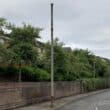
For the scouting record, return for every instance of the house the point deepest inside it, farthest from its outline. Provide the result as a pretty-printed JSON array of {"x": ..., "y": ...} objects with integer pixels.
[{"x": 4, "y": 40}]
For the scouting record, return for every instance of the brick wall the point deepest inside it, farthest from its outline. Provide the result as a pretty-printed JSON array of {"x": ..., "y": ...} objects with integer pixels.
[{"x": 19, "y": 94}]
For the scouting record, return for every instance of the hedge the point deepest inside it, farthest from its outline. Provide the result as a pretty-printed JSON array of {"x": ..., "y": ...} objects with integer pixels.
[
  {"x": 95, "y": 84},
  {"x": 28, "y": 74}
]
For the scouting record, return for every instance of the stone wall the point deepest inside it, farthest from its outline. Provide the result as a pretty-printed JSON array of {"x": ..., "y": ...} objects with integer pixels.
[{"x": 13, "y": 95}]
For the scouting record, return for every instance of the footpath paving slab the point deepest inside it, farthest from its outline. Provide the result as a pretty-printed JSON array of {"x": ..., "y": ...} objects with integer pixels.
[{"x": 60, "y": 102}]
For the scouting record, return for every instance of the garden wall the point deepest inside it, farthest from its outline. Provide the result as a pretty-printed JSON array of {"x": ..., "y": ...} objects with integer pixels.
[{"x": 14, "y": 95}]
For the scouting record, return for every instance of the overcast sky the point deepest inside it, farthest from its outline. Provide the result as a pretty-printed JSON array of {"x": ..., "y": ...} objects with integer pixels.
[{"x": 78, "y": 23}]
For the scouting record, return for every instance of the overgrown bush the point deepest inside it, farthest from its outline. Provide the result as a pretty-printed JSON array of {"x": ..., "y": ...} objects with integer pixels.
[
  {"x": 28, "y": 74},
  {"x": 95, "y": 84},
  {"x": 8, "y": 73},
  {"x": 34, "y": 74}
]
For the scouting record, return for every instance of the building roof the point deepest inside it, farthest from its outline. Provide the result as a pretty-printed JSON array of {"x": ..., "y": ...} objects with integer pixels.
[{"x": 4, "y": 38}]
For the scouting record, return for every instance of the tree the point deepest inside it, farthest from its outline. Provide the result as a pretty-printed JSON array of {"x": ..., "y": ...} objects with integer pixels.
[{"x": 23, "y": 45}]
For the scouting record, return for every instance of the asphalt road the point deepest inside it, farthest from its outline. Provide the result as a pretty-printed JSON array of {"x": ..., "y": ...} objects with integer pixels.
[{"x": 96, "y": 102}]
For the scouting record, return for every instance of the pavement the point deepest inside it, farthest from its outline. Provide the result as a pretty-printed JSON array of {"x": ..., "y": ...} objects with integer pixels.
[
  {"x": 94, "y": 102},
  {"x": 99, "y": 100}
]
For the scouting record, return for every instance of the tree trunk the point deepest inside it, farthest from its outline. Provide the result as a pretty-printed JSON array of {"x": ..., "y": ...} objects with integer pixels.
[{"x": 20, "y": 78}]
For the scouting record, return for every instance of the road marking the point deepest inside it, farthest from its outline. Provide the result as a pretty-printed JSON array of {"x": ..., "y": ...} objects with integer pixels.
[{"x": 96, "y": 108}]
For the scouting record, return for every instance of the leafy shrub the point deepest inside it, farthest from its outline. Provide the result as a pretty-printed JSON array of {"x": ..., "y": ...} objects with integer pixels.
[
  {"x": 34, "y": 74},
  {"x": 28, "y": 74},
  {"x": 41, "y": 75},
  {"x": 95, "y": 84},
  {"x": 2, "y": 70},
  {"x": 9, "y": 73}
]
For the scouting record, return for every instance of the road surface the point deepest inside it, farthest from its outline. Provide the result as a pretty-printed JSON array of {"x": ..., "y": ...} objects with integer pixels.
[{"x": 96, "y": 102}]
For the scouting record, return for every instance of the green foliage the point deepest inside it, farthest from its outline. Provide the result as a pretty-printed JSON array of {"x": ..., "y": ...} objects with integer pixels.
[
  {"x": 5, "y": 54},
  {"x": 34, "y": 74},
  {"x": 74, "y": 64},
  {"x": 25, "y": 52},
  {"x": 28, "y": 74},
  {"x": 8, "y": 73},
  {"x": 95, "y": 84},
  {"x": 26, "y": 33},
  {"x": 23, "y": 43},
  {"x": 22, "y": 52}
]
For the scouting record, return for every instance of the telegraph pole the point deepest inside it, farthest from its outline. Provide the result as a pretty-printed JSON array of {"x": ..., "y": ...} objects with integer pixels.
[{"x": 52, "y": 59}]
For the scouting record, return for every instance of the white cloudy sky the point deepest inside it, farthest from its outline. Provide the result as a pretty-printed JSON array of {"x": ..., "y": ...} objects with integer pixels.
[{"x": 78, "y": 23}]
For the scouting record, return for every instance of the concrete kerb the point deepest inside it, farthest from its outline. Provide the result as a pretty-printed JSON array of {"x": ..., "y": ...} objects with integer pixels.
[{"x": 79, "y": 97}]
